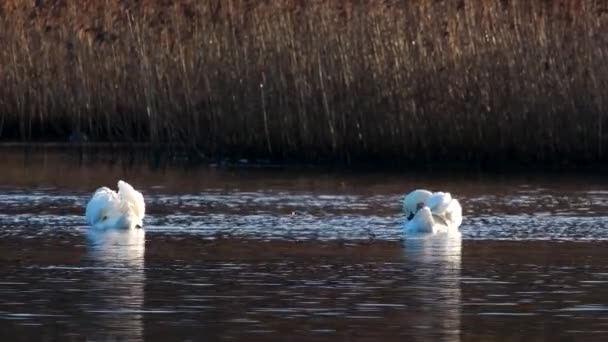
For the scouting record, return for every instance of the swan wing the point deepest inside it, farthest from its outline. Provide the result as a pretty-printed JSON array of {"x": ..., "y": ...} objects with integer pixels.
[
  {"x": 453, "y": 213},
  {"x": 439, "y": 202},
  {"x": 103, "y": 202},
  {"x": 133, "y": 197}
]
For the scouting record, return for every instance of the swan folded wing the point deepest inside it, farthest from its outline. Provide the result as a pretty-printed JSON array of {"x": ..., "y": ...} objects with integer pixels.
[
  {"x": 453, "y": 213},
  {"x": 133, "y": 197},
  {"x": 441, "y": 219},
  {"x": 439, "y": 202},
  {"x": 103, "y": 201}
]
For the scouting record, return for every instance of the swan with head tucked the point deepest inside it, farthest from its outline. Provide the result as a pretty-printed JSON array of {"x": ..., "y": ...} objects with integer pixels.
[
  {"x": 433, "y": 213},
  {"x": 110, "y": 210}
]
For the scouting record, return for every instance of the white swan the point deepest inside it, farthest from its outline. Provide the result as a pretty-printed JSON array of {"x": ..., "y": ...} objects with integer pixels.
[
  {"x": 429, "y": 212},
  {"x": 110, "y": 210}
]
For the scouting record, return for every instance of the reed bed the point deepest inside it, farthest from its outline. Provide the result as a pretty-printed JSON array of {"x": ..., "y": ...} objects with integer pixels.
[{"x": 348, "y": 81}]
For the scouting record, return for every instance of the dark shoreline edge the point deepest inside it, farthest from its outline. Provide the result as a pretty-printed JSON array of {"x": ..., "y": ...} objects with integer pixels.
[{"x": 163, "y": 156}]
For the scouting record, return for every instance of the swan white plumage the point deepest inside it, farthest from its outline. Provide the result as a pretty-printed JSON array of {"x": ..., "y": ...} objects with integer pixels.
[
  {"x": 110, "y": 210},
  {"x": 433, "y": 213}
]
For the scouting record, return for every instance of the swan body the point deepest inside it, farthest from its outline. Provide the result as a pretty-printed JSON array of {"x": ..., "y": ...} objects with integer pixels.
[
  {"x": 108, "y": 209},
  {"x": 432, "y": 213}
]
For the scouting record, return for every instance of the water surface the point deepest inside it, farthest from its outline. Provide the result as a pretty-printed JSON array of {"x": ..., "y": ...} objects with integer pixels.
[{"x": 258, "y": 255}]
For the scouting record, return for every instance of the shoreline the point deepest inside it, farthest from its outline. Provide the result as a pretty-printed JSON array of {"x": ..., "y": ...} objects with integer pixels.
[{"x": 184, "y": 156}]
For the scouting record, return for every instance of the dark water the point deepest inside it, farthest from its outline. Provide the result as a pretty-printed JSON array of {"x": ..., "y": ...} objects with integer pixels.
[{"x": 258, "y": 255}]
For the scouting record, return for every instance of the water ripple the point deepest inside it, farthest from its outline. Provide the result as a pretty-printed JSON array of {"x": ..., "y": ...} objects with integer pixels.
[{"x": 530, "y": 214}]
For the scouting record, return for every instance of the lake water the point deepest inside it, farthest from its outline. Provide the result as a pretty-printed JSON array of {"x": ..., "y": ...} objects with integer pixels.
[{"x": 298, "y": 255}]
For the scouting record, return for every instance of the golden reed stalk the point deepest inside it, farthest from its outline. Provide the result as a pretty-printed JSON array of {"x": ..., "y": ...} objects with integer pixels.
[{"x": 346, "y": 80}]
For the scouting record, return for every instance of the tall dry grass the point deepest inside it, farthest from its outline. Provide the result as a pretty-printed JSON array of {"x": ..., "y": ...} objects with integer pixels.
[{"x": 347, "y": 80}]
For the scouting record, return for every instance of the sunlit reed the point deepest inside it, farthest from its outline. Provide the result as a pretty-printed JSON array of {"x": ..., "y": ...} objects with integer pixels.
[{"x": 425, "y": 80}]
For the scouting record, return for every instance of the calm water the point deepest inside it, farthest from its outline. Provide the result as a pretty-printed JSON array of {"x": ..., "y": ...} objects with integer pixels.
[{"x": 259, "y": 255}]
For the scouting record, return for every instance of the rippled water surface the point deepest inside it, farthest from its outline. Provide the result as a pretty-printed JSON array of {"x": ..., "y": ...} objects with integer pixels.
[{"x": 259, "y": 255}]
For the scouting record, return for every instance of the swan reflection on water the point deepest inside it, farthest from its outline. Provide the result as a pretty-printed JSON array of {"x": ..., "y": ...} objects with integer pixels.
[
  {"x": 117, "y": 262},
  {"x": 436, "y": 261}
]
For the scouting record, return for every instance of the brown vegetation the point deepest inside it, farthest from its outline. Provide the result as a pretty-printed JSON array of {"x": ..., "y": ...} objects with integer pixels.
[{"x": 425, "y": 80}]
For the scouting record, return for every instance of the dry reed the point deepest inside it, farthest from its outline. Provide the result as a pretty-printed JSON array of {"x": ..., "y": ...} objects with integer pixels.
[{"x": 376, "y": 81}]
